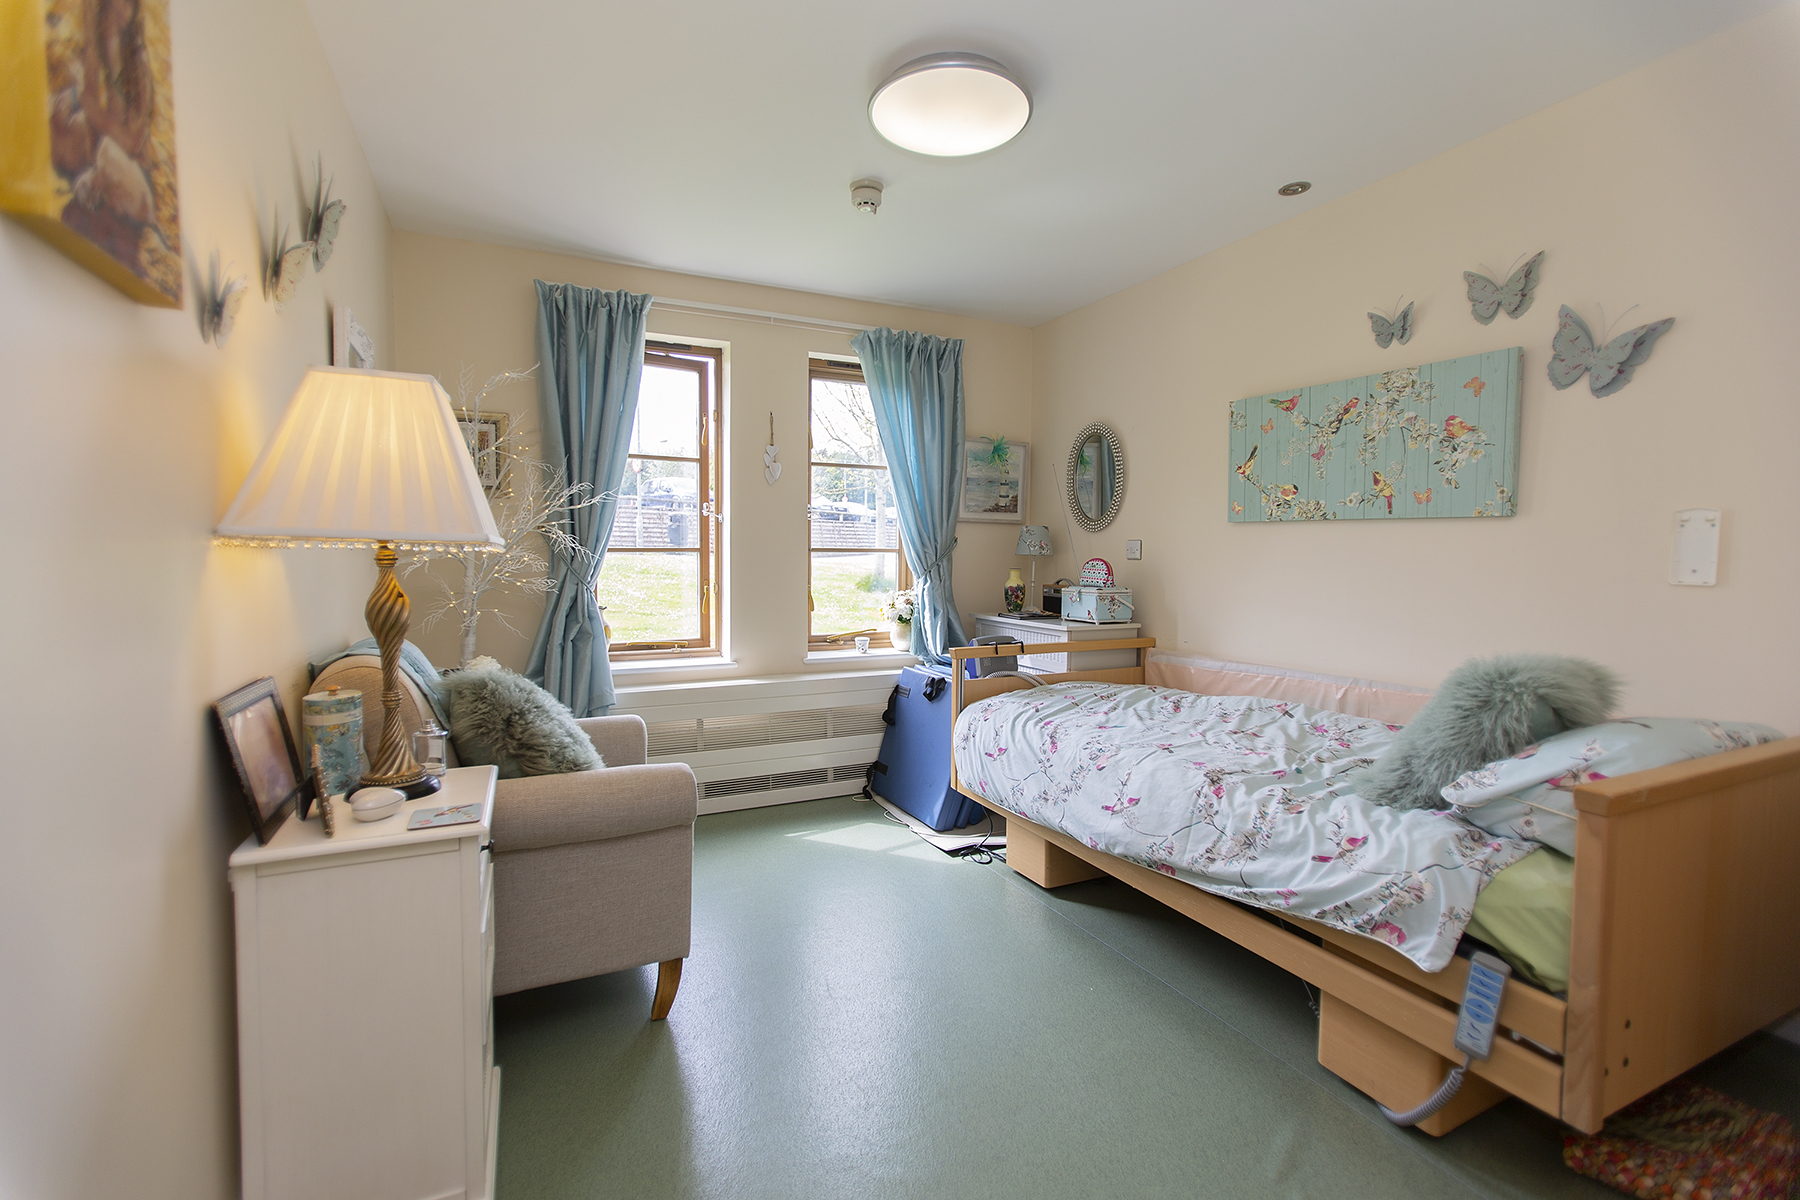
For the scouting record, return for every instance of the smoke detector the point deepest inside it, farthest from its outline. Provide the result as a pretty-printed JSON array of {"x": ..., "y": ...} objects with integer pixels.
[{"x": 865, "y": 194}]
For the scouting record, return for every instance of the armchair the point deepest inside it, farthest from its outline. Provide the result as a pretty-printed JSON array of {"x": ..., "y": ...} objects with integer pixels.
[{"x": 593, "y": 870}]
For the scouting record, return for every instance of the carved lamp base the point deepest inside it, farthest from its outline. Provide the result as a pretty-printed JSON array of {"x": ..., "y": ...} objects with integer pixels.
[{"x": 388, "y": 613}]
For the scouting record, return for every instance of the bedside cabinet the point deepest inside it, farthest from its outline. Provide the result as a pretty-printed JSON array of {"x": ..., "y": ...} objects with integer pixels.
[
  {"x": 365, "y": 1006},
  {"x": 1062, "y": 631}
]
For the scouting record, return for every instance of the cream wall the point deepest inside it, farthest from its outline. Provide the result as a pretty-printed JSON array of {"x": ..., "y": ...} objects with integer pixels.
[
  {"x": 129, "y": 436},
  {"x": 1672, "y": 188},
  {"x": 462, "y": 303}
]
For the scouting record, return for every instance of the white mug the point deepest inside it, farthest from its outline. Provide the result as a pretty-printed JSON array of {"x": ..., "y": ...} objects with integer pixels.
[{"x": 862, "y": 645}]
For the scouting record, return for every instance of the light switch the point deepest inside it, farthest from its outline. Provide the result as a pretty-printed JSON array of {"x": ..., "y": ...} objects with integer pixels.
[
  {"x": 1696, "y": 547},
  {"x": 1134, "y": 548}
]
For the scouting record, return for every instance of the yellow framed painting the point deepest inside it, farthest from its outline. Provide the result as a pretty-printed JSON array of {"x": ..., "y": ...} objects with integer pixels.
[{"x": 87, "y": 137}]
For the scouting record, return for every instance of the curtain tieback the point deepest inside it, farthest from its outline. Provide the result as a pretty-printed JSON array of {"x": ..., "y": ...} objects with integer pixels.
[{"x": 937, "y": 562}]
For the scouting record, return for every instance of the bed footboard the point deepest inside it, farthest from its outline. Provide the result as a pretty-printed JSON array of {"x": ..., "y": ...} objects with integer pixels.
[{"x": 1687, "y": 919}]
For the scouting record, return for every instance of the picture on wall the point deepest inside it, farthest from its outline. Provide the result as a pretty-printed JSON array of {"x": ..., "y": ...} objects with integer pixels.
[
  {"x": 1438, "y": 440},
  {"x": 351, "y": 345},
  {"x": 87, "y": 154},
  {"x": 994, "y": 472},
  {"x": 482, "y": 431}
]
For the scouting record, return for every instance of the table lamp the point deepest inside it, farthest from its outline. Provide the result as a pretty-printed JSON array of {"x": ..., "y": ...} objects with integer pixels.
[
  {"x": 367, "y": 459},
  {"x": 1034, "y": 540}
]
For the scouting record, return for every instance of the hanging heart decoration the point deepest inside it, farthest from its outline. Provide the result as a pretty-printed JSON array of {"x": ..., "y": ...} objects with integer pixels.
[{"x": 771, "y": 468}]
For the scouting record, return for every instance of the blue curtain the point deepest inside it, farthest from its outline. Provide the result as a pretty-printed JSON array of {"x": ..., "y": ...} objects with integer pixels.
[
  {"x": 915, "y": 380},
  {"x": 591, "y": 345}
]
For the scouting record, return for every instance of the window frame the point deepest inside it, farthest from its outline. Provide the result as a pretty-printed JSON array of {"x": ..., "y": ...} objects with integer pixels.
[
  {"x": 849, "y": 372},
  {"x": 709, "y": 490}
]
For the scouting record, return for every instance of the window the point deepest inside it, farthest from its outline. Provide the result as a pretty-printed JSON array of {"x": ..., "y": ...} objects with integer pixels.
[
  {"x": 660, "y": 581},
  {"x": 854, "y": 534}
]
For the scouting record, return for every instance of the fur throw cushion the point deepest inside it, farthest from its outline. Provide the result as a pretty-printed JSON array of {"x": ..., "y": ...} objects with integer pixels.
[
  {"x": 502, "y": 718},
  {"x": 1487, "y": 709}
]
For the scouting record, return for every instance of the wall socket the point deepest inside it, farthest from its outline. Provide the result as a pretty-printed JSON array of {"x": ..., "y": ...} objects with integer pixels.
[{"x": 1134, "y": 548}]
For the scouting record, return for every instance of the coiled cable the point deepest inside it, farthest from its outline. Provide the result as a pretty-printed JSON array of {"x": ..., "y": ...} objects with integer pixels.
[{"x": 1435, "y": 1102}]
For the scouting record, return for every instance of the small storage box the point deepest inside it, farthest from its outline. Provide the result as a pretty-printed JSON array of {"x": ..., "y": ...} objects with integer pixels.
[{"x": 1101, "y": 605}]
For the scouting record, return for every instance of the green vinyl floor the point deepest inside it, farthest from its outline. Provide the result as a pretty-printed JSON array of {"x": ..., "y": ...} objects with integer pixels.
[{"x": 863, "y": 1016}]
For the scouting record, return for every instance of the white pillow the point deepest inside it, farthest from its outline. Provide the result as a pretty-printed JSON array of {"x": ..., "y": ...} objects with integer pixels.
[{"x": 1532, "y": 794}]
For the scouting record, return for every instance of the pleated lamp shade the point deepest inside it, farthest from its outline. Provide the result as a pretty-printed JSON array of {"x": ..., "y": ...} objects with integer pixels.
[{"x": 363, "y": 457}]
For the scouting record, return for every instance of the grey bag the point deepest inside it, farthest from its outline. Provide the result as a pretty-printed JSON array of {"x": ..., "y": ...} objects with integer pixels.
[{"x": 995, "y": 666}]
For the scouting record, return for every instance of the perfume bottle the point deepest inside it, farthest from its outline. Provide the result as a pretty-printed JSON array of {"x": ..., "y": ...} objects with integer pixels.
[{"x": 430, "y": 745}]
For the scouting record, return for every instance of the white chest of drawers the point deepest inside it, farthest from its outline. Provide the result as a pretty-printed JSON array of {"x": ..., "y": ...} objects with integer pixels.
[
  {"x": 365, "y": 1006},
  {"x": 1062, "y": 631}
]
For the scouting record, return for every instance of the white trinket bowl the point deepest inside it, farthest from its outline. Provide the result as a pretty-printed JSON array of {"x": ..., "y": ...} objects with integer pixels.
[{"x": 377, "y": 803}]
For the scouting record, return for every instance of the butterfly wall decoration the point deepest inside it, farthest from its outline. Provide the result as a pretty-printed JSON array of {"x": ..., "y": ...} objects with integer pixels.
[
  {"x": 285, "y": 268},
  {"x": 1389, "y": 330},
  {"x": 1609, "y": 366},
  {"x": 1487, "y": 298},
  {"x": 219, "y": 304},
  {"x": 323, "y": 218}
]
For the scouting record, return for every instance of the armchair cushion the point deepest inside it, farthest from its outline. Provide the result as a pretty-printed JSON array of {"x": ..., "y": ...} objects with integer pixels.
[
  {"x": 589, "y": 806},
  {"x": 503, "y": 718}
]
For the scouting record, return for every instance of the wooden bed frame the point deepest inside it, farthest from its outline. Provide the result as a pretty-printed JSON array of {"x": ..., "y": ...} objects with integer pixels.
[{"x": 1686, "y": 935}]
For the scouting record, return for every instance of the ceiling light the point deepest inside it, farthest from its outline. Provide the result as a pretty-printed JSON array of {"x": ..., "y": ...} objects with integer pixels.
[
  {"x": 1293, "y": 189},
  {"x": 950, "y": 104}
]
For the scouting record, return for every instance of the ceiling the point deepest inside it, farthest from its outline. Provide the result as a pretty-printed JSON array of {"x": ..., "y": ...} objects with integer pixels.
[{"x": 721, "y": 138}]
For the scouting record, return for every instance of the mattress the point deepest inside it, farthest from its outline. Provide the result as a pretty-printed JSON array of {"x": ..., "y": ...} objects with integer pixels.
[
  {"x": 1526, "y": 913},
  {"x": 1249, "y": 798}
]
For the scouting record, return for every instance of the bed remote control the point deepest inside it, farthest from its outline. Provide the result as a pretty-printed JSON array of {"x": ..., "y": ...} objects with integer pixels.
[{"x": 1481, "y": 1004}]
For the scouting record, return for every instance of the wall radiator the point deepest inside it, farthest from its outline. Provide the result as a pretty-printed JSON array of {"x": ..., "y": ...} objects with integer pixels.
[{"x": 772, "y": 740}]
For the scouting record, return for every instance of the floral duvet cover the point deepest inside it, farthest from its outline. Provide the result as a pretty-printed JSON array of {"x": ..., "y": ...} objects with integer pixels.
[{"x": 1243, "y": 797}]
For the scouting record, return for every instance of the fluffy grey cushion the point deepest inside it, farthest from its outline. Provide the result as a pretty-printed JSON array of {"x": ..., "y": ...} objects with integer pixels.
[
  {"x": 1487, "y": 709},
  {"x": 503, "y": 718}
]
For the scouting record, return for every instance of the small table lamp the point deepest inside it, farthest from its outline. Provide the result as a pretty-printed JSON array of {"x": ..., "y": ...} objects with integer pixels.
[
  {"x": 1034, "y": 540},
  {"x": 367, "y": 459}
]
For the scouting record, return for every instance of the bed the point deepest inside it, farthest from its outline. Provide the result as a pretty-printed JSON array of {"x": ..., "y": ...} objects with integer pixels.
[{"x": 1684, "y": 923}]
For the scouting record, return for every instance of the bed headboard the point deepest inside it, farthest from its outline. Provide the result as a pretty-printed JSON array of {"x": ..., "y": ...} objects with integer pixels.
[{"x": 1391, "y": 702}]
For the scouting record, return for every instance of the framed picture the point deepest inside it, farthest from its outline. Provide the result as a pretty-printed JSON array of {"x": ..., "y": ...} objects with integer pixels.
[
  {"x": 994, "y": 474},
  {"x": 351, "y": 345},
  {"x": 261, "y": 752},
  {"x": 87, "y": 153},
  {"x": 483, "y": 433}
]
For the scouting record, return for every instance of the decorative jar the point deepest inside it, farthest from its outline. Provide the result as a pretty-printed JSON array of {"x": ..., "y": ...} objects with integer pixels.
[
  {"x": 1015, "y": 591},
  {"x": 332, "y": 721}
]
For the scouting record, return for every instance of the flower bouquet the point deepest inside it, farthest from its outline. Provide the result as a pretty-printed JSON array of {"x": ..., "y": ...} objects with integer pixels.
[{"x": 897, "y": 610}]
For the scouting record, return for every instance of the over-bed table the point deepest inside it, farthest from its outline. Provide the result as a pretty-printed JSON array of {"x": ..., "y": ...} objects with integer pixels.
[{"x": 1686, "y": 935}]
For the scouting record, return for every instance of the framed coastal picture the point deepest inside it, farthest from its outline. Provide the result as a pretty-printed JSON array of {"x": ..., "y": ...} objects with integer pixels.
[
  {"x": 483, "y": 432},
  {"x": 87, "y": 152},
  {"x": 994, "y": 473}
]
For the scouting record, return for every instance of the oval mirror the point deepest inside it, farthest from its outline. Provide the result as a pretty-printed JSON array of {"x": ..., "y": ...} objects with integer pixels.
[{"x": 1096, "y": 482}]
